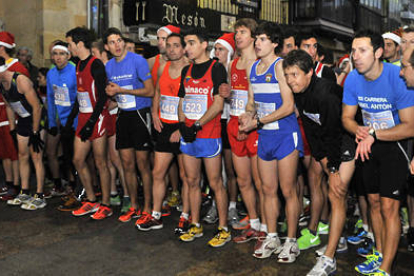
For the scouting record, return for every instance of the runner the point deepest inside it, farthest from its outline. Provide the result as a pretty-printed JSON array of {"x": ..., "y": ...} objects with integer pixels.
[{"x": 392, "y": 43}]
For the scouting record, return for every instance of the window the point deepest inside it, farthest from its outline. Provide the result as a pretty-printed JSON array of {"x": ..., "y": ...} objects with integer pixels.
[{"x": 98, "y": 16}]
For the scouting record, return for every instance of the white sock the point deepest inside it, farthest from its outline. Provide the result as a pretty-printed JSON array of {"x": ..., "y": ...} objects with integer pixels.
[
  {"x": 371, "y": 236},
  {"x": 232, "y": 204},
  {"x": 290, "y": 239},
  {"x": 184, "y": 215},
  {"x": 272, "y": 235},
  {"x": 365, "y": 226},
  {"x": 225, "y": 228},
  {"x": 114, "y": 193},
  {"x": 156, "y": 215},
  {"x": 255, "y": 224},
  {"x": 214, "y": 203},
  {"x": 197, "y": 225},
  {"x": 263, "y": 228}
]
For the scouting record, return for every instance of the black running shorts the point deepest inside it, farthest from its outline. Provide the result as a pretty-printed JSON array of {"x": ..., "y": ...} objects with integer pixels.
[{"x": 133, "y": 130}]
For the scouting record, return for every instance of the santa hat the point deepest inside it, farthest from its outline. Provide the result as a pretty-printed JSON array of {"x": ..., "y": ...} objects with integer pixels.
[
  {"x": 393, "y": 37},
  {"x": 343, "y": 59},
  {"x": 227, "y": 40},
  {"x": 170, "y": 29},
  {"x": 7, "y": 40}
]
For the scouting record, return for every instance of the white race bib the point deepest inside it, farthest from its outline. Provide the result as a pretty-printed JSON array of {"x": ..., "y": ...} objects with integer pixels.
[
  {"x": 85, "y": 105},
  {"x": 169, "y": 107},
  {"x": 19, "y": 109},
  {"x": 264, "y": 109},
  {"x": 194, "y": 106},
  {"x": 379, "y": 120},
  {"x": 126, "y": 101},
  {"x": 61, "y": 95},
  {"x": 238, "y": 101}
]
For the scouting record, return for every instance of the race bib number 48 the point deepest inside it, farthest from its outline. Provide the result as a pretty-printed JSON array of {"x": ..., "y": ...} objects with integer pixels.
[
  {"x": 194, "y": 106},
  {"x": 169, "y": 107},
  {"x": 264, "y": 109},
  {"x": 85, "y": 105},
  {"x": 379, "y": 120}
]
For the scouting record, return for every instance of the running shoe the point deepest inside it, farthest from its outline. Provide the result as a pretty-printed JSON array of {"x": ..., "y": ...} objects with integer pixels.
[
  {"x": 242, "y": 224},
  {"x": 144, "y": 217},
  {"x": 102, "y": 213},
  {"x": 323, "y": 229},
  {"x": 211, "y": 216},
  {"x": 358, "y": 237},
  {"x": 165, "y": 210},
  {"x": 150, "y": 223},
  {"x": 220, "y": 238},
  {"x": 324, "y": 267},
  {"x": 193, "y": 233},
  {"x": 358, "y": 226},
  {"x": 405, "y": 224},
  {"x": 34, "y": 204},
  {"x": 182, "y": 227},
  {"x": 19, "y": 200},
  {"x": 232, "y": 216},
  {"x": 115, "y": 200},
  {"x": 303, "y": 220},
  {"x": 126, "y": 205},
  {"x": 3, "y": 190},
  {"x": 266, "y": 247},
  {"x": 290, "y": 251},
  {"x": 341, "y": 248},
  {"x": 366, "y": 248},
  {"x": 372, "y": 263},
  {"x": 307, "y": 240},
  {"x": 173, "y": 200},
  {"x": 129, "y": 214},
  {"x": 55, "y": 192},
  {"x": 379, "y": 272},
  {"x": 70, "y": 204},
  {"x": 247, "y": 235},
  {"x": 410, "y": 239},
  {"x": 86, "y": 208},
  {"x": 11, "y": 194}
]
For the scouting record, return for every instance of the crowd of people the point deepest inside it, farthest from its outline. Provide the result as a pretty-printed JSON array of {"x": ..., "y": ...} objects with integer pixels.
[{"x": 266, "y": 116}]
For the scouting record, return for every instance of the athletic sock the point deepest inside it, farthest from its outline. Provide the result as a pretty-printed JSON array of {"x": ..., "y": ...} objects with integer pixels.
[
  {"x": 185, "y": 216},
  {"x": 324, "y": 221},
  {"x": 255, "y": 224},
  {"x": 272, "y": 235},
  {"x": 365, "y": 227},
  {"x": 263, "y": 228},
  {"x": 40, "y": 195},
  {"x": 114, "y": 193},
  {"x": 232, "y": 204},
  {"x": 156, "y": 215},
  {"x": 225, "y": 228},
  {"x": 9, "y": 184},
  {"x": 197, "y": 225}
]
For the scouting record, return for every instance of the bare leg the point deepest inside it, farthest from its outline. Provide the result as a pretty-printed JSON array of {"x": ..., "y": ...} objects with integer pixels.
[
  {"x": 192, "y": 168},
  {"x": 142, "y": 159}
]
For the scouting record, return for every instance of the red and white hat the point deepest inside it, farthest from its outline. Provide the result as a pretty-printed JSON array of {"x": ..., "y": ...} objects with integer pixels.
[
  {"x": 7, "y": 40},
  {"x": 227, "y": 40},
  {"x": 343, "y": 59},
  {"x": 393, "y": 36},
  {"x": 170, "y": 29}
]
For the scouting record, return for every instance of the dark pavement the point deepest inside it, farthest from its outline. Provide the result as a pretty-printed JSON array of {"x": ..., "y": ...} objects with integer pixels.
[{"x": 50, "y": 242}]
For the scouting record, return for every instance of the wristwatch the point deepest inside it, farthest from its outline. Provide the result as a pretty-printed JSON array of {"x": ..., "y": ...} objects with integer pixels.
[
  {"x": 198, "y": 125},
  {"x": 371, "y": 132},
  {"x": 259, "y": 124}
]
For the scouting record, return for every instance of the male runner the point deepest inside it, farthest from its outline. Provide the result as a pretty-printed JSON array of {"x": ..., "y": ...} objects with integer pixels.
[
  {"x": 388, "y": 111},
  {"x": 91, "y": 128},
  {"x": 392, "y": 43}
]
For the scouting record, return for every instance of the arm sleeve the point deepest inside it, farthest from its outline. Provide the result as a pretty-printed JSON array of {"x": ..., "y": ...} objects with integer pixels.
[
  {"x": 99, "y": 75},
  {"x": 219, "y": 75},
  {"x": 73, "y": 113},
  {"x": 51, "y": 107},
  {"x": 181, "y": 92},
  {"x": 330, "y": 112},
  {"x": 328, "y": 73}
]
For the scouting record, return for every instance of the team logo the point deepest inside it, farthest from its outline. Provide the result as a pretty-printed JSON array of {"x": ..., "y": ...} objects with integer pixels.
[
  {"x": 187, "y": 78},
  {"x": 268, "y": 77},
  {"x": 234, "y": 78}
]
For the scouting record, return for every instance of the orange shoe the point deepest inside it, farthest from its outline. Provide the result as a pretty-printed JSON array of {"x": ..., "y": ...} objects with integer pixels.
[
  {"x": 103, "y": 212},
  {"x": 145, "y": 217},
  {"x": 130, "y": 214},
  {"x": 86, "y": 208},
  {"x": 242, "y": 224}
]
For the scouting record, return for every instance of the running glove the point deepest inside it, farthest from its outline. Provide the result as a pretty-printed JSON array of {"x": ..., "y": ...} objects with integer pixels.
[
  {"x": 188, "y": 133},
  {"x": 36, "y": 142}
]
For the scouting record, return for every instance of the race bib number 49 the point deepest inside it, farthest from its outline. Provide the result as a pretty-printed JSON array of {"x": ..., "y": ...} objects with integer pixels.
[
  {"x": 379, "y": 120},
  {"x": 238, "y": 101},
  {"x": 169, "y": 107},
  {"x": 194, "y": 106},
  {"x": 264, "y": 109},
  {"x": 85, "y": 105}
]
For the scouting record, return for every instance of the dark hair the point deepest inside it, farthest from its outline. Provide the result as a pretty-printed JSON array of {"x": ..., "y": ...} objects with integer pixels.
[
  {"x": 376, "y": 39},
  {"x": 100, "y": 46},
  {"x": 290, "y": 31},
  {"x": 61, "y": 43},
  {"x": 249, "y": 23},
  {"x": 128, "y": 40},
  {"x": 82, "y": 34},
  {"x": 408, "y": 29},
  {"x": 179, "y": 36},
  {"x": 273, "y": 32},
  {"x": 2, "y": 61},
  {"x": 299, "y": 58},
  {"x": 9, "y": 51},
  {"x": 201, "y": 35},
  {"x": 109, "y": 32},
  {"x": 326, "y": 53},
  {"x": 305, "y": 36},
  {"x": 43, "y": 71}
]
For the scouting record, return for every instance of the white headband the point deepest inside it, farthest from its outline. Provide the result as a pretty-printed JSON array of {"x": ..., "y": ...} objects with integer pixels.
[
  {"x": 393, "y": 37},
  {"x": 61, "y": 47},
  {"x": 3, "y": 68}
]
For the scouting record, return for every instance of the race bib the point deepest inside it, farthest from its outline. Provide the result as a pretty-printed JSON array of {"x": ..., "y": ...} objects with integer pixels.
[
  {"x": 126, "y": 101},
  {"x": 264, "y": 109},
  {"x": 61, "y": 95},
  {"x": 85, "y": 105},
  {"x": 194, "y": 106},
  {"x": 379, "y": 120},
  {"x": 238, "y": 101},
  {"x": 113, "y": 111},
  {"x": 169, "y": 107},
  {"x": 19, "y": 109}
]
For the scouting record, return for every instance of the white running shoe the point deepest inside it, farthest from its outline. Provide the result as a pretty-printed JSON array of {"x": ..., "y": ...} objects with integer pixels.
[
  {"x": 324, "y": 267},
  {"x": 290, "y": 252},
  {"x": 266, "y": 246}
]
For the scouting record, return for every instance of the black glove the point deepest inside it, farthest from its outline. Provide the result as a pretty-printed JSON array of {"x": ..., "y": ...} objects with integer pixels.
[
  {"x": 13, "y": 134},
  {"x": 36, "y": 142},
  {"x": 53, "y": 131},
  {"x": 87, "y": 130},
  {"x": 188, "y": 133}
]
